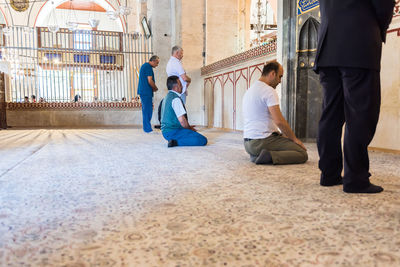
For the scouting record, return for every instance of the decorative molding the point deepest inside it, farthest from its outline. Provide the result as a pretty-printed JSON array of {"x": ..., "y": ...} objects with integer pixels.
[
  {"x": 303, "y": 6},
  {"x": 251, "y": 54},
  {"x": 19, "y": 5},
  {"x": 385, "y": 150},
  {"x": 394, "y": 30},
  {"x": 396, "y": 11},
  {"x": 253, "y": 68},
  {"x": 73, "y": 105}
]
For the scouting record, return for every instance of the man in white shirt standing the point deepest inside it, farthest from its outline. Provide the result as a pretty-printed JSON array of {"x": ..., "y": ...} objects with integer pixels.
[
  {"x": 175, "y": 68},
  {"x": 263, "y": 120}
]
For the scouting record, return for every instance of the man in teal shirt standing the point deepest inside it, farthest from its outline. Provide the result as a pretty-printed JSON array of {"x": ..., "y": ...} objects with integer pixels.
[
  {"x": 174, "y": 124},
  {"x": 146, "y": 89}
]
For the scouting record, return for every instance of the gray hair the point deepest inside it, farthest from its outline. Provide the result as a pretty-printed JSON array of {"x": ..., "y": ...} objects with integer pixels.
[
  {"x": 175, "y": 48},
  {"x": 154, "y": 58}
]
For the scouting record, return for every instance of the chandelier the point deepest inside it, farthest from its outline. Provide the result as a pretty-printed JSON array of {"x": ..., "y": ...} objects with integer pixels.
[
  {"x": 53, "y": 27},
  {"x": 121, "y": 11},
  {"x": 71, "y": 25},
  {"x": 261, "y": 22},
  {"x": 93, "y": 22},
  {"x": 261, "y": 12}
]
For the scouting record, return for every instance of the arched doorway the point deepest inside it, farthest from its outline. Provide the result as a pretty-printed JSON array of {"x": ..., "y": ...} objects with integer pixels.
[
  {"x": 308, "y": 93},
  {"x": 79, "y": 11}
]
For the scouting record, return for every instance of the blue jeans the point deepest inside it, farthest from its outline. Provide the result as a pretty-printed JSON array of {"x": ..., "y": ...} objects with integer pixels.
[
  {"x": 185, "y": 137},
  {"x": 147, "y": 112},
  {"x": 183, "y": 97}
]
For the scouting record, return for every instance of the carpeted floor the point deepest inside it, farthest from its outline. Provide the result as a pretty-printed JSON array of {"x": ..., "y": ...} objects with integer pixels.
[{"x": 119, "y": 197}]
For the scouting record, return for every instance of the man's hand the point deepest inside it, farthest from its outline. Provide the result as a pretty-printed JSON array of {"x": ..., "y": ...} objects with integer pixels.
[
  {"x": 186, "y": 78},
  {"x": 297, "y": 141},
  {"x": 152, "y": 83}
]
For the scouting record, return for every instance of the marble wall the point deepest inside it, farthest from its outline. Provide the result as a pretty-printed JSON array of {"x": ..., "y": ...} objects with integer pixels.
[
  {"x": 388, "y": 131},
  {"x": 73, "y": 118},
  {"x": 207, "y": 30}
]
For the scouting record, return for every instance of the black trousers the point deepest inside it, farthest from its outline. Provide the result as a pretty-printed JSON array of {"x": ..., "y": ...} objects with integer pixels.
[{"x": 351, "y": 96}]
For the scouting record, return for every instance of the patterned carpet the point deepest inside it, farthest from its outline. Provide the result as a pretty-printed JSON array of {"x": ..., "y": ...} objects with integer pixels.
[{"x": 119, "y": 197}]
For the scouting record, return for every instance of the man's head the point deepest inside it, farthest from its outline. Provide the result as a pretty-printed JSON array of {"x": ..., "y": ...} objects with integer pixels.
[
  {"x": 272, "y": 73},
  {"x": 177, "y": 52},
  {"x": 154, "y": 61},
  {"x": 174, "y": 84}
]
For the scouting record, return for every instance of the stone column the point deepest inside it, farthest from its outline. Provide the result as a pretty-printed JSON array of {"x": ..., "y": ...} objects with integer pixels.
[
  {"x": 286, "y": 54},
  {"x": 160, "y": 21},
  {"x": 3, "y": 121},
  {"x": 301, "y": 92}
]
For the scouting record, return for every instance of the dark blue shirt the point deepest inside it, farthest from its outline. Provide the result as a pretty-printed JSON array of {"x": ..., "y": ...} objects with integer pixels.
[{"x": 144, "y": 88}]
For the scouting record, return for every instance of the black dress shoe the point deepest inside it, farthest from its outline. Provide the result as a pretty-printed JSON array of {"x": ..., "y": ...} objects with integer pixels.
[
  {"x": 325, "y": 182},
  {"x": 172, "y": 143},
  {"x": 371, "y": 189}
]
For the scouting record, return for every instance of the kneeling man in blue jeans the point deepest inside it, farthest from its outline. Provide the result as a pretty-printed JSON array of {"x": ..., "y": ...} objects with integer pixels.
[{"x": 174, "y": 123}]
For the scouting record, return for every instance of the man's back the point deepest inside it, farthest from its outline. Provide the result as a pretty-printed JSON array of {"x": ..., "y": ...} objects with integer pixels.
[
  {"x": 257, "y": 118},
  {"x": 175, "y": 68},
  {"x": 169, "y": 118},
  {"x": 352, "y": 32},
  {"x": 144, "y": 87}
]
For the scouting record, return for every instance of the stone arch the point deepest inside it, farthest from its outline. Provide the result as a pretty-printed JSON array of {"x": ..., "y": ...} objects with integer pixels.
[
  {"x": 3, "y": 18},
  {"x": 47, "y": 7},
  {"x": 308, "y": 91},
  {"x": 308, "y": 37}
]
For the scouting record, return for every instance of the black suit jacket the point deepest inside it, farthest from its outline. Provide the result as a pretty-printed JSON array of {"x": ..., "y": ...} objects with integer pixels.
[{"x": 352, "y": 32}]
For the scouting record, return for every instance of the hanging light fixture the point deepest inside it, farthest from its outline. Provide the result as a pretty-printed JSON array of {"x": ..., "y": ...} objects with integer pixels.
[
  {"x": 93, "y": 22},
  {"x": 260, "y": 24},
  {"x": 71, "y": 25},
  {"x": 113, "y": 15},
  {"x": 124, "y": 10},
  {"x": 53, "y": 27}
]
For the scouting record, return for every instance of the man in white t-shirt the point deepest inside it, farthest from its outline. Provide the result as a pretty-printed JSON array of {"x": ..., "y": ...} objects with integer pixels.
[
  {"x": 263, "y": 120},
  {"x": 175, "y": 68},
  {"x": 174, "y": 123}
]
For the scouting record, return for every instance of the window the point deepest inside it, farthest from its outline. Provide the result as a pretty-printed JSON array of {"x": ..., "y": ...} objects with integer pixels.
[{"x": 83, "y": 40}]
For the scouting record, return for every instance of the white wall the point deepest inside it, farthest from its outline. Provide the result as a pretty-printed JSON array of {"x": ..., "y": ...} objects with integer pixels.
[
  {"x": 224, "y": 90},
  {"x": 29, "y": 16},
  {"x": 388, "y": 131}
]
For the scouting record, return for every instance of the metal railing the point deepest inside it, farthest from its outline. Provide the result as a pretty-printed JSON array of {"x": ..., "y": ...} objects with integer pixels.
[{"x": 67, "y": 65}]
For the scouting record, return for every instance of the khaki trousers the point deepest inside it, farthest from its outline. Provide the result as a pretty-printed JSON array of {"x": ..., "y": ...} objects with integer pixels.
[{"x": 282, "y": 149}]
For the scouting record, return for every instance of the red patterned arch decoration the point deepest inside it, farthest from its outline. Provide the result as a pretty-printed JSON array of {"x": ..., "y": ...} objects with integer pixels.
[
  {"x": 396, "y": 11},
  {"x": 396, "y": 14}
]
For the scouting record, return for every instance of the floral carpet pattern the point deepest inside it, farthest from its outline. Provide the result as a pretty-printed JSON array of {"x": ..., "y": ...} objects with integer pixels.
[{"x": 120, "y": 197}]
